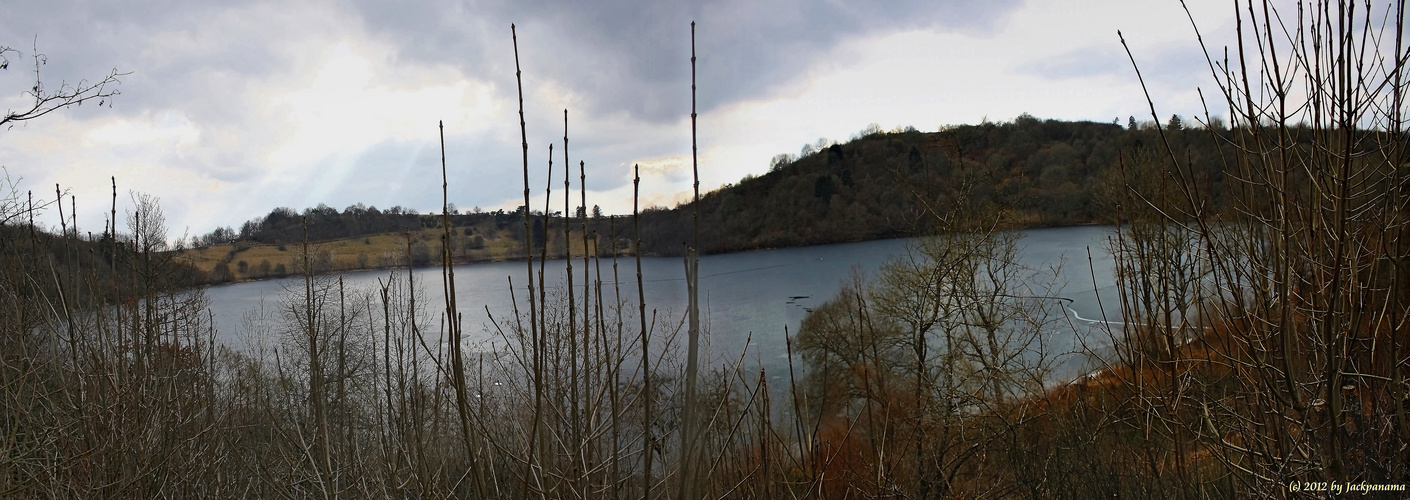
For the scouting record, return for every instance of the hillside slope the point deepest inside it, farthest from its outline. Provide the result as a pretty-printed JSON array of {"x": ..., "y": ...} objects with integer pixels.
[
  {"x": 884, "y": 185},
  {"x": 881, "y": 185}
]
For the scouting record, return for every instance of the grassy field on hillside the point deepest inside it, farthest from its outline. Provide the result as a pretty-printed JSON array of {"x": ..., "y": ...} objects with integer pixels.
[{"x": 243, "y": 261}]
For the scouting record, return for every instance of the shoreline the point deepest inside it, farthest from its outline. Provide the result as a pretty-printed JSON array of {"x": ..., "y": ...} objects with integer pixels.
[{"x": 471, "y": 261}]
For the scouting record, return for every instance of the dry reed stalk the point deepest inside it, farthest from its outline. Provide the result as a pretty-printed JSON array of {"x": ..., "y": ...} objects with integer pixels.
[
  {"x": 613, "y": 351},
  {"x": 575, "y": 448},
  {"x": 648, "y": 418},
  {"x": 544, "y": 333},
  {"x": 453, "y": 317},
  {"x": 587, "y": 350},
  {"x": 688, "y": 471},
  {"x": 323, "y": 462},
  {"x": 536, "y": 437}
]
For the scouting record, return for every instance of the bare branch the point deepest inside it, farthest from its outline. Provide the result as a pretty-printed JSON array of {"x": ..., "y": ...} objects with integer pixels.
[{"x": 66, "y": 95}]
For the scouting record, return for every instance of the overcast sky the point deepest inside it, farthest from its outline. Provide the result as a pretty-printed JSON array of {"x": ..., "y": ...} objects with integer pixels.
[{"x": 232, "y": 108}]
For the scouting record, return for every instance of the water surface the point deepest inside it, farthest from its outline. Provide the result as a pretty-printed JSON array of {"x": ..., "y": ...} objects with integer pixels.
[{"x": 758, "y": 293}]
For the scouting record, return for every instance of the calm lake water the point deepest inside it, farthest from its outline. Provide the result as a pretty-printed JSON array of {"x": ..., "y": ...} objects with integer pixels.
[{"x": 757, "y": 293}]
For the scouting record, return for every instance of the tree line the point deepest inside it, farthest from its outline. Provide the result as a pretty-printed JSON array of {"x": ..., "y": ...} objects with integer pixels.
[{"x": 1049, "y": 171}]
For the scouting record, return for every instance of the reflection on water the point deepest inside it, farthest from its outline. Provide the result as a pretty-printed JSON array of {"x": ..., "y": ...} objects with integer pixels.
[{"x": 755, "y": 295}]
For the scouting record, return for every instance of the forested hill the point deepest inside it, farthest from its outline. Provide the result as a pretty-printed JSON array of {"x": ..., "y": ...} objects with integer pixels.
[
  {"x": 877, "y": 185},
  {"x": 881, "y": 185}
]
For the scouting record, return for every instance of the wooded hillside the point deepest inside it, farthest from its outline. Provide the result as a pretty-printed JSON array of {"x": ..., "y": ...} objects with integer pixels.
[
  {"x": 881, "y": 185},
  {"x": 878, "y": 185}
]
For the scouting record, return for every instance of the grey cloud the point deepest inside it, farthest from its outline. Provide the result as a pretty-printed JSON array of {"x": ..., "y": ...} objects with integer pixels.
[
  {"x": 195, "y": 56},
  {"x": 633, "y": 57},
  {"x": 628, "y": 57},
  {"x": 622, "y": 56}
]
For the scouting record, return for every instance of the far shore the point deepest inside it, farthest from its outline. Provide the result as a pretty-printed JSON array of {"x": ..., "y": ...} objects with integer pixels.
[{"x": 239, "y": 277}]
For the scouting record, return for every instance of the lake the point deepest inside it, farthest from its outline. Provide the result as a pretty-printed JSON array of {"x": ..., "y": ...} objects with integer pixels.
[{"x": 758, "y": 293}]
